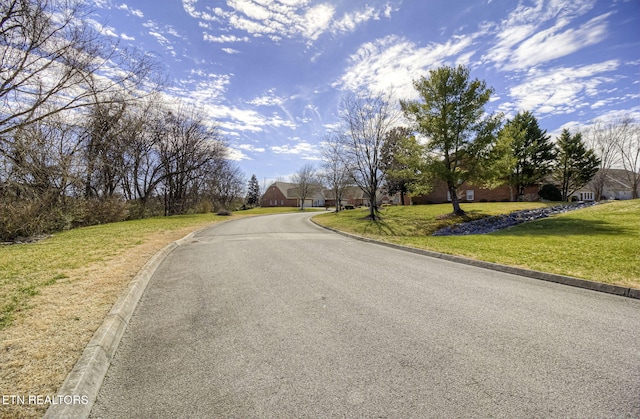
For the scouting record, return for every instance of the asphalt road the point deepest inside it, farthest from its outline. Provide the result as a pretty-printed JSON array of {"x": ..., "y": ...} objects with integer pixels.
[{"x": 275, "y": 317}]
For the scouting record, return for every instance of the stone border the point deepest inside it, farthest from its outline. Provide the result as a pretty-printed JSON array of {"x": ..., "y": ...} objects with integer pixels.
[
  {"x": 544, "y": 276},
  {"x": 85, "y": 379}
]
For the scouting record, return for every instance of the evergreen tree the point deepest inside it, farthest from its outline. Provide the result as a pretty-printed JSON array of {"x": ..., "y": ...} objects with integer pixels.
[
  {"x": 575, "y": 165},
  {"x": 451, "y": 116},
  {"x": 402, "y": 157},
  {"x": 253, "y": 196},
  {"x": 529, "y": 151}
]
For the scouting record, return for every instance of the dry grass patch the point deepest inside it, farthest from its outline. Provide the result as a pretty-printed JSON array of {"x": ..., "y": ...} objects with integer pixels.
[{"x": 41, "y": 345}]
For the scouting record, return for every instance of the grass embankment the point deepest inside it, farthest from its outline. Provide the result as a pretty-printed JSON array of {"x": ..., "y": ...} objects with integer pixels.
[
  {"x": 600, "y": 243},
  {"x": 56, "y": 292}
]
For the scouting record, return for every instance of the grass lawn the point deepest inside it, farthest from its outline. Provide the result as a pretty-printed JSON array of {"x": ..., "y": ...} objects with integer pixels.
[
  {"x": 26, "y": 268},
  {"x": 600, "y": 243}
]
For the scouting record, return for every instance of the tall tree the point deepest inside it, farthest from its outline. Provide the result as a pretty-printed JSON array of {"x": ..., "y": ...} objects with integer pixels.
[
  {"x": 51, "y": 60},
  {"x": 189, "y": 146},
  {"x": 630, "y": 153},
  {"x": 402, "y": 157},
  {"x": 575, "y": 165},
  {"x": 253, "y": 193},
  {"x": 105, "y": 149},
  {"x": 451, "y": 116},
  {"x": 531, "y": 150},
  {"x": 605, "y": 140},
  {"x": 367, "y": 119},
  {"x": 223, "y": 182},
  {"x": 335, "y": 170},
  {"x": 306, "y": 182}
]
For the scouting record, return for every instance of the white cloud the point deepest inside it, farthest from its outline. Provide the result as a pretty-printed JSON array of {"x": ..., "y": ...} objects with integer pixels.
[
  {"x": 278, "y": 19},
  {"x": 560, "y": 90},
  {"x": 300, "y": 148},
  {"x": 251, "y": 148},
  {"x": 535, "y": 34},
  {"x": 350, "y": 21},
  {"x": 550, "y": 44},
  {"x": 268, "y": 99},
  {"x": 317, "y": 20},
  {"x": 224, "y": 38},
  {"x": 102, "y": 29},
  {"x": 134, "y": 12},
  {"x": 394, "y": 62},
  {"x": 231, "y": 51},
  {"x": 236, "y": 155}
]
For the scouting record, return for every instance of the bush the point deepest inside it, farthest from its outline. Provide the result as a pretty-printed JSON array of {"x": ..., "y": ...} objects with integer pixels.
[
  {"x": 102, "y": 211},
  {"x": 550, "y": 193},
  {"x": 224, "y": 213},
  {"x": 204, "y": 207},
  {"x": 33, "y": 216}
]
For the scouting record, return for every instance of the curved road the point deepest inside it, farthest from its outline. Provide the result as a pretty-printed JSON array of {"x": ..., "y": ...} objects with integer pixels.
[{"x": 275, "y": 317}]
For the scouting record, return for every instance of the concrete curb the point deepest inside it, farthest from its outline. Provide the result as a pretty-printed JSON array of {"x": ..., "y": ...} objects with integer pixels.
[
  {"x": 544, "y": 276},
  {"x": 85, "y": 379}
]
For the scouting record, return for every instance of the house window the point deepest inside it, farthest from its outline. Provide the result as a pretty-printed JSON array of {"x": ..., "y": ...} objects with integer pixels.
[
  {"x": 282, "y": 202},
  {"x": 271, "y": 202},
  {"x": 586, "y": 196},
  {"x": 470, "y": 195}
]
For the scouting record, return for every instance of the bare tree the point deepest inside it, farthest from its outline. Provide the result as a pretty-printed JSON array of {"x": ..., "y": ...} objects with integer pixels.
[
  {"x": 367, "y": 120},
  {"x": 336, "y": 172},
  {"x": 630, "y": 153},
  {"x": 188, "y": 147},
  {"x": 105, "y": 149},
  {"x": 52, "y": 61},
  {"x": 605, "y": 140},
  {"x": 39, "y": 177},
  {"x": 306, "y": 182},
  {"x": 224, "y": 182}
]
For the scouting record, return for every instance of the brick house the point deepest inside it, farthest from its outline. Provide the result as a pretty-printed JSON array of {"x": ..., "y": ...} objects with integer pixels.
[
  {"x": 283, "y": 194},
  {"x": 472, "y": 193},
  {"x": 352, "y": 195}
]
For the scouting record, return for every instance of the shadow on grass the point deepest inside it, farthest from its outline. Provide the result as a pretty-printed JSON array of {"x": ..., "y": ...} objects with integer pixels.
[
  {"x": 566, "y": 226},
  {"x": 378, "y": 226}
]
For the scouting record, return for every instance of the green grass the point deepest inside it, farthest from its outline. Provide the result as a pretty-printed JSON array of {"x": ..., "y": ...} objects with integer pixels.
[
  {"x": 600, "y": 243},
  {"x": 26, "y": 268}
]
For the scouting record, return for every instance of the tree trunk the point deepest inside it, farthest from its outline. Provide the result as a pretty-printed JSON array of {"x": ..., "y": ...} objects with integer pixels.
[{"x": 454, "y": 201}]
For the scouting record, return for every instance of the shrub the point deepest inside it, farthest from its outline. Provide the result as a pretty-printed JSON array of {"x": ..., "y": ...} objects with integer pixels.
[
  {"x": 224, "y": 213},
  {"x": 550, "y": 193},
  {"x": 106, "y": 210},
  {"x": 204, "y": 207}
]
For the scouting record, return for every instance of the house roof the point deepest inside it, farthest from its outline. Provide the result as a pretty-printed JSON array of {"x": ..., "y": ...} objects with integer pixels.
[
  {"x": 617, "y": 179},
  {"x": 350, "y": 192},
  {"x": 290, "y": 190}
]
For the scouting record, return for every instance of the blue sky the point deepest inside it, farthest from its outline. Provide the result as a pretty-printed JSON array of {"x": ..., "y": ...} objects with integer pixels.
[{"x": 272, "y": 72}]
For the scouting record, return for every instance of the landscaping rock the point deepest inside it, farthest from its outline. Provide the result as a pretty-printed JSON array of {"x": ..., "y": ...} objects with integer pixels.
[{"x": 491, "y": 224}]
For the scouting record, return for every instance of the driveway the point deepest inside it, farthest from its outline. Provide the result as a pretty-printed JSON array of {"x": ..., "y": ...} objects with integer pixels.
[{"x": 275, "y": 317}]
